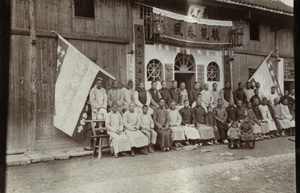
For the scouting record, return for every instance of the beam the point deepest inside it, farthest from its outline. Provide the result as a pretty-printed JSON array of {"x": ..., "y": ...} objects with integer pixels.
[
  {"x": 256, "y": 53},
  {"x": 72, "y": 36}
]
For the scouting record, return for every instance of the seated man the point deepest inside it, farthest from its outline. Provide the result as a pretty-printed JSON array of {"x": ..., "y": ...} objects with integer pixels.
[
  {"x": 264, "y": 109},
  {"x": 187, "y": 124},
  {"x": 256, "y": 124},
  {"x": 288, "y": 116},
  {"x": 199, "y": 97},
  {"x": 132, "y": 130},
  {"x": 161, "y": 126},
  {"x": 241, "y": 111},
  {"x": 114, "y": 125},
  {"x": 247, "y": 132},
  {"x": 174, "y": 122},
  {"x": 263, "y": 123},
  {"x": 221, "y": 117},
  {"x": 142, "y": 97},
  {"x": 206, "y": 132},
  {"x": 147, "y": 127},
  {"x": 98, "y": 101},
  {"x": 116, "y": 95},
  {"x": 175, "y": 95}
]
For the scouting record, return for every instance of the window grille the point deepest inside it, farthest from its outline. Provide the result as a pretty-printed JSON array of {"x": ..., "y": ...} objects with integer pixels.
[
  {"x": 154, "y": 70},
  {"x": 213, "y": 72}
]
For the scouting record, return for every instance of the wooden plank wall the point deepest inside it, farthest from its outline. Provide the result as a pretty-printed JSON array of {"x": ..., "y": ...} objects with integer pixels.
[{"x": 111, "y": 20}]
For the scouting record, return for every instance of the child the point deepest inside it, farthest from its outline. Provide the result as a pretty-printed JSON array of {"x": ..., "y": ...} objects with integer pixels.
[
  {"x": 174, "y": 122},
  {"x": 187, "y": 124},
  {"x": 234, "y": 134},
  {"x": 147, "y": 127},
  {"x": 247, "y": 133},
  {"x": 213, "y": 122}
]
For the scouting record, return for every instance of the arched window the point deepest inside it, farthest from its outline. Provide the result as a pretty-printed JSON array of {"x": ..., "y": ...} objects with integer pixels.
[
  {"x": 213, "y": 72},
  {"x": 154, "y": 70},
  {"x": 184, "y": 62}
]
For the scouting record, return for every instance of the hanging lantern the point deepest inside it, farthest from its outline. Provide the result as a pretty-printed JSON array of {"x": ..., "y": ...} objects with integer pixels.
[
  {"x": 238, "y": 36},
  {"x": 158, "y": 24}
]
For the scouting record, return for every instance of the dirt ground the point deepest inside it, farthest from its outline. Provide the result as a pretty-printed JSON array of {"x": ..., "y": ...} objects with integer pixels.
[{"x": 270, "y": 167}]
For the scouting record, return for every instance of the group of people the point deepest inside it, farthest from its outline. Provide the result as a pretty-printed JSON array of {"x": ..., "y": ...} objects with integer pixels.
[{"x": 174, "y": 117}]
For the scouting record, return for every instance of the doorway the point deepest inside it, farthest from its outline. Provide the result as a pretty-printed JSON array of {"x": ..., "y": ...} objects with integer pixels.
[{"x": 187, "y": 78}]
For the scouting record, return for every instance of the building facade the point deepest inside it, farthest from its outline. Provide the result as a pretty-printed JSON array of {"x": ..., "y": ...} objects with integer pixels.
[{"x": 124, "y": 38}]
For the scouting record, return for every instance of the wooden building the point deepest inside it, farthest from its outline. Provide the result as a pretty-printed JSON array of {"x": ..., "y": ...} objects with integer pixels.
[{"x": 106, "y": 32}]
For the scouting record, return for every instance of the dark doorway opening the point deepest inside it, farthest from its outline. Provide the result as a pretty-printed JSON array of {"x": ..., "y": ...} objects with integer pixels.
[{"x": 187, "y": 78}]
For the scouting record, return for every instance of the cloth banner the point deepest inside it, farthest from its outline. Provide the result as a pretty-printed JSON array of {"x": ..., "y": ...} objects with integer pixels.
[
  {"x": 266, "y": 77},
  {"x": 76, "y": 75},
  {"x": 191, "y": 32},
  {"x": 139, "y": 43}
]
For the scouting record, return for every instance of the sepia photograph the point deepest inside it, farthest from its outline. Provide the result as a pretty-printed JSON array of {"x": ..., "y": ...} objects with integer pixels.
[{"x": 148, "y": 96}]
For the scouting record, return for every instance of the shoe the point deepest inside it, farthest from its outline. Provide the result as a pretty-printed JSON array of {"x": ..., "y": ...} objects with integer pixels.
[
  {"x": 150, "y": 149},
  {"x": 256, "y": 139},
  {"x": 225, "y": 141},
  {"x": 210, "y": 143},
  {"x": 116, "y": 156},
  {"x": 143, "y": 151},
  {"x": 176, "y": 145},
  {"x": 231, "y": 146},
  {"x": 196, "y": 145},
  {"x": 187, "y": 143},
  {"x": 132, "y": 153},
  {"x": 200, "y": 144},
  {"x": 167, "y": 149},
  {"x": 180, "y": 145},
  {"x": 277, "y": 135},
  {"x": 216, "y": 143},
  {"x": 272, "y": 136},
  {"x": 261, "y": 138},
  {"x": 238, "y": 146}
]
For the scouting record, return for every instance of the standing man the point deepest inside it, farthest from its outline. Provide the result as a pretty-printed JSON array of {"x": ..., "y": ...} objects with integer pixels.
[
  {"x": 261, "y": 94},
  {"x": 194, "y": 93},
  {"x": 142, "y": 97},
  {"x": 239, "y": 94},
  {"x": 165, "y": 94},
  {"x": 207, "y": 96},
  {"x": 273, "y": 94},
  {"x": 249, "y": 91},
  {"x": 155, "y": 95},
  {"x": 221, "y": 117},
  {"x": 116, "y": 95},
  {"x": 216, "y": 94},
  {"x": 175, "y": 94},
  {"x": 128, "y": 95},
  {"x": 226, "y": 94},
  {"x": 98, "y": 101}
]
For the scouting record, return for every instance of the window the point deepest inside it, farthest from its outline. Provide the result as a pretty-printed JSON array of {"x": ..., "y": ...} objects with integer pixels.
[
  {"x": 251, "y": 71},
  {"x": 84, "y": 8},
  {"x": 213, "y": 72},
  {"x": 289, "y": 70},
  {"x": 145, "y": 14},
  {"x": 184, "y": 62},
  {"x": 254, "y": 31},
  {"x": 154, "y": 70}
]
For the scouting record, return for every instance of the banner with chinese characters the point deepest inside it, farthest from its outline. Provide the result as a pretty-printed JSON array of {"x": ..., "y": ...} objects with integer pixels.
[
  {"x": 76, "y": 75},
  {"x": 194, "y": 32},
  {"x": 139, "y": 43}
]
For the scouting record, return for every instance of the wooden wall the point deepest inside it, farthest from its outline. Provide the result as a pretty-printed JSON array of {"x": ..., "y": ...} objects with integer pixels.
[{"x": 107, "y": 43}]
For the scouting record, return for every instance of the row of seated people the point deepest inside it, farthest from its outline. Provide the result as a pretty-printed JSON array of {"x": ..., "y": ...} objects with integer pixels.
[{"x": 212, "y": 123}]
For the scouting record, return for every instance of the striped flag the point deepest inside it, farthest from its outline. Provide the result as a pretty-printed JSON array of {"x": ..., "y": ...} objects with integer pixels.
[
  {"x": 76, "y": 75},
  {"x": 266, "y": 77}
]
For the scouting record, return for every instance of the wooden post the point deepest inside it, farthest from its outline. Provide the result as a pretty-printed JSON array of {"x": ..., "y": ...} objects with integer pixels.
[{"x": 32, "y": 79}]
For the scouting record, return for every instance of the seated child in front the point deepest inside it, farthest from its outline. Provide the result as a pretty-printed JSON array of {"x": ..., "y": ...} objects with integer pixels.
[{"x": 234, "y": 134}]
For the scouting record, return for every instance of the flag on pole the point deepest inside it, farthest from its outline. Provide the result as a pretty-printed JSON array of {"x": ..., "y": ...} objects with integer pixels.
[
  {"x": 266, "y": 77},
  {"x": 76, "y": 75}
]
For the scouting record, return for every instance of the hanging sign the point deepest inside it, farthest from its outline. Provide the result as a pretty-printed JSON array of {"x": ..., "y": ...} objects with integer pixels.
[{"x": 139, "y": 43}]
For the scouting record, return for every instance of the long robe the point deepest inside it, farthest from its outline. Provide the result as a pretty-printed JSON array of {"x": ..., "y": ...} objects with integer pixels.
[
  {"x": 254, "y": 121},
  {"x": 287, "y": 115},
  {"x": 160, "y": 122},
  {"x": 207, "y": 97},
  {"x": 221, "y": 117},
  {"x": 98, "y": 100},
  {"x": 116, "y": 95},
  {"x": 147, "y": 127},
  {"x": 201, "y": 122},
  {"x": 187, "y": 124},
  {"x": 136, "y": 138},
  {"x": 264, "y": 109},
  {"x": 174, "y": 122},
  {"x": 246, "y": 131},
  {"x": 216, "y": 95},
  {"x": 119, "y": 143},
  {"x": 264, "y": 126}
]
